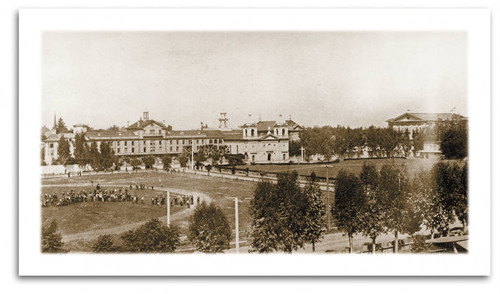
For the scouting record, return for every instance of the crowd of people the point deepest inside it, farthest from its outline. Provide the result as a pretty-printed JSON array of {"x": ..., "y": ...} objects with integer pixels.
[{"x": 98, "y": 194}]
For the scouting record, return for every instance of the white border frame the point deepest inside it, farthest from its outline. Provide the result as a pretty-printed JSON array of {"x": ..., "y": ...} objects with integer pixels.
[{"x": 32, "y": 22}]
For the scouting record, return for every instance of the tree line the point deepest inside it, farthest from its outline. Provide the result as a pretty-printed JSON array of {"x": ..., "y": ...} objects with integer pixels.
[
  {"x": 285, "y": 217},
  {"x": 346, "y": 142},
  {"x": 388, "y": 201}
]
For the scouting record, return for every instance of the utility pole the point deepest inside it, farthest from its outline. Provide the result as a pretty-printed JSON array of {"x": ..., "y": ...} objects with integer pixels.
[
  {"x": 327, "y": 198},
  {"x": 327, "y": 201},
  {"x": 192, "y": 155},
  {"x": 168, "y": 208},
  {"x": 236, "y": 224}
]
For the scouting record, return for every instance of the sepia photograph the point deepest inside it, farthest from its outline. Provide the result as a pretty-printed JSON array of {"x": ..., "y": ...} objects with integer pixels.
[
  {"x": 254, "y": 142},
  {"x": 238, "y": 142}
]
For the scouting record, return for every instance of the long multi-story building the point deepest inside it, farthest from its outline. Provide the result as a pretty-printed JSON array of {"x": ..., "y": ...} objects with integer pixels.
[{"x": 259, "y": 142}]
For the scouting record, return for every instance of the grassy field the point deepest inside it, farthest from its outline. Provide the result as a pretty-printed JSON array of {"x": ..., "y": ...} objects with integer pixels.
[
  {"x": 87, "y": 217},
  {"x": 354, "y": 166}
]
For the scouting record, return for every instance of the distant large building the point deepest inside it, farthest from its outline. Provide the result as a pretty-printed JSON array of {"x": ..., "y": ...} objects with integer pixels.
[
  {"x": 259, "y": 142},
  {"x": 411, "y": 122}
]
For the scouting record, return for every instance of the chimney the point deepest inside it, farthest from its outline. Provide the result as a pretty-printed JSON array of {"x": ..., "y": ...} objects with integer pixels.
[{"x": 145, "y": 114}]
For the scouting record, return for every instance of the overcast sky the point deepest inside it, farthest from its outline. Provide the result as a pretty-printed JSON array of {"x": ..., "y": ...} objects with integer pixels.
[{"x": 319, "y": 78}]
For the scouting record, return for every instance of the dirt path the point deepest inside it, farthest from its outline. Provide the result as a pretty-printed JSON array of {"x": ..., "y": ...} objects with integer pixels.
[{"x": 181, "y": 215}]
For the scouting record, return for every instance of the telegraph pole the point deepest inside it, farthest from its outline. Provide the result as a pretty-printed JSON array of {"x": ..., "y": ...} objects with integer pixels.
[
  {"x": 192, "y": 156},
  {"x": 327, "y": 198},
  {"x": 327, "y": 201},
  {"x": 168, "y": 208},
  {"x": 236, "y": 224}
]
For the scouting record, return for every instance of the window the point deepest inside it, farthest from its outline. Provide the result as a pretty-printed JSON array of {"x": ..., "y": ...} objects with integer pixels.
[
  {"x": 210, "y": 141},
  {"x": 253, "y": 157},
  {"x": 118, "y": 150},
  {"x": 151, "y": 131},
  {"x": 252, "y": 132},
  {"x": 159, "y": 142},
  {"x": 132, "y": 145},
  {"x": 170, "y": 148},
  {"x": 144, "y": 150},
  {"x": 51, "y": 145},
  {"x": 284, "y": 156},
  {"x": 132, "y": 148},
  {"x": 125, "y": 143},
  {"x": 125, "y": 150},
  {"x": 177, "y": 148}
]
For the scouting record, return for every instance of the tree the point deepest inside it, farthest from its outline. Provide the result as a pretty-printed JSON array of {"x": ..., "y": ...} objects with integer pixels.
[
  {"x": 61, "y": 126},
  {"x": 42, "y": 156},
  {"x": 149, "y": 161},
  {"x": 388, "y": 141},
  {"x": 63, "y": 151},
  {"x": 81, "y": 151},
  {"x": 51, "y": 239},
  {"x": 104, "y": 243},
  {"x": 424, "y": 188},
  {"x": 183, "y": 159},
  {"x": 135, "y": 163},
  {"x": 266, "y": 225},
  {"x": 209, "y": 229},
  {"x": 95, "y": 157},
  {"x": 349, "y": 204},
  {"x": 167, "y": 161},
  {"x": 373, "y": 140},
  {"x": 372, "y": 217},
  {"x": 152, "y": 237},
  {"x": 394, "y": 197},
  {"x": 279, "y": 215},
  {"x": 315, "y": 213},
  {"x": 318, "y": 140},
  {"x": 454, "y": 143},
  {"x": 107, "y": 156},
  {"x": 294, "y": 148},
  {"x": 451, "y": 198}
]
